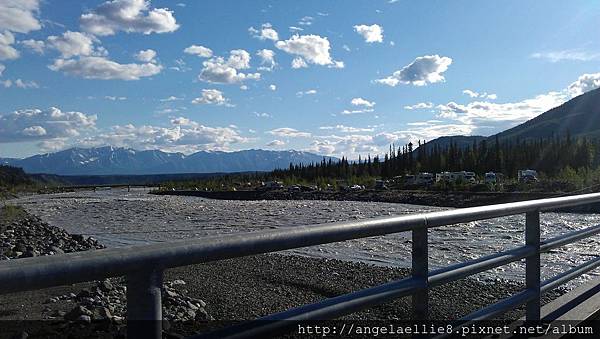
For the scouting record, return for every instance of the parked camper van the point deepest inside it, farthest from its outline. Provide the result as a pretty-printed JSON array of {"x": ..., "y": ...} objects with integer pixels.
[{"x": 464, "y": 176}]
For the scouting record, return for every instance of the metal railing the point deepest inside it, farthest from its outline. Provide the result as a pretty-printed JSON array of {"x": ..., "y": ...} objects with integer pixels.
[{"x": 144, "y": 265}]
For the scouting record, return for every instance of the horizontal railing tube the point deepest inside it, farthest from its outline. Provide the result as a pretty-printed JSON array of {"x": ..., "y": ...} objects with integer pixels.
[
  {"x": 565, "y": 239},
  {"x": 327, "y": 309},
  {"x": 40, "y": 272},
  {"x": 570, "y": 274},
  {"x": 468, "y": 268}
]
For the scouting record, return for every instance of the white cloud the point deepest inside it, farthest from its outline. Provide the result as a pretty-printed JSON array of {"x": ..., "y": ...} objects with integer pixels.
[
  {"x": 313, "y": 49},
  {"x": 104, "y": 69},
  {"x": 262, "y": 115},
  {"x": 201, "y": 51},
  {"x": 19, "y": 83},
  {"x": 19, "y": 15},
  {"x": 483, "y": 95},
  {"x": 239, "y": 59},
  {"x": 516, "y": 112},
  {"x": 356, "y": 111},
  {"x": 7, "y": 51},
  {"x": 307, "y": 92},
  {"x": 35, "y": 124},
  {"x": 212, "y": 97},
  {"x": 2, "y": 68},
  {"x": 372, "y": 33},
  {"x": 218, "y": 70},
  {"x": 37, "y": 46},
  {"x": 470, "y": 93},
  {"x": 276, "y": 143},
  {"x": 114, "y": 98},
  {"x": 423, "y": 70},
  {"x": 266, "y": 32},
  {"x": 183, "y": 135},
  {"x": 271, "y": 87},
  {"x": 306, "y": 21},
  {"x": 420, "y": 105},
  {"x": 267, "y": 57},
  {"x": 346, "y": 129},
  {"x": 289, "y": 133},
  {"x": 148, "y": 55},
  {"x": 362, "y": 102},
  {"x": 566, "y": 55},
  {"x": 170, "y": 98},
  {"x": 71, "y": 44},
  {"x": 298, "y": 62},
  {"x": 128, "y": 16},
  {"x": 584, "y": 83}
]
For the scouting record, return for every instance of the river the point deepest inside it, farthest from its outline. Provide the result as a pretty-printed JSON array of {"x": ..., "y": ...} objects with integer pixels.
[{"x": 119, "y": 218}]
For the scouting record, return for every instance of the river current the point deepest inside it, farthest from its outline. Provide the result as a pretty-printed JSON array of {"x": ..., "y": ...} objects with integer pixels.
[{"x": 120, "y": 218}]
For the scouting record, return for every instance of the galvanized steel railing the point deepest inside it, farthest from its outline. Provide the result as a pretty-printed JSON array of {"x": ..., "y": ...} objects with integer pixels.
[{"x": 144, "y": 266}]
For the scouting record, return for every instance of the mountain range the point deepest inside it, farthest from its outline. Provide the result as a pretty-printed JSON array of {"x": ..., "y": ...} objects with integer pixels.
[
  {"x": 578, "y": 117},
  {"x": 125, "y": 161}
]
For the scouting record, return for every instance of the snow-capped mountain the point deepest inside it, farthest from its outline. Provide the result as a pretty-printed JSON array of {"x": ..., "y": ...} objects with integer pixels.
[{"x": 111, "y": 160}]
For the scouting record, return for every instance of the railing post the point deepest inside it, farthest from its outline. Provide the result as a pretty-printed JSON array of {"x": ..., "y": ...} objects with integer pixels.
[
  {"x": 532, "y": 264},
  {"x": 420, "y": 270},
  {"x": 144, "y": 307}
]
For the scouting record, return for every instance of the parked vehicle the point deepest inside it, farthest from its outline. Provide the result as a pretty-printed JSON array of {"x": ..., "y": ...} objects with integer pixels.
[
  {"x": 462, "y": 176},
  {"x": 527, "y": 176},
  {"x": 380, "y": 185}
]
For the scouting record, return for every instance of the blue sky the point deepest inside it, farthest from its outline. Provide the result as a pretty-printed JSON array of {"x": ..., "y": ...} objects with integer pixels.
[{"x": 333, "y": 77}]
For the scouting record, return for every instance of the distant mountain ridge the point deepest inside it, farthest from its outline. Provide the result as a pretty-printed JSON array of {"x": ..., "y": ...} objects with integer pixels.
[
  {"x": 578, "y": 117},
  {"x": 125, "y": 161}
]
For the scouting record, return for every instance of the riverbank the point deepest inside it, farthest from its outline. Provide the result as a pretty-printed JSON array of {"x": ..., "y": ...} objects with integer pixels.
[
  {"x": 238, "y": 289},
  {"x": 425, "y": 198}
]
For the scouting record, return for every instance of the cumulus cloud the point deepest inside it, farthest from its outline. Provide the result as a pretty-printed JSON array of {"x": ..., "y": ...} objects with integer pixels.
[
  {"x": 220, "y": 71},
  {"x": 128, "y": 16},
  {"x": 271, "y": 87},
  {"x": 584, "y": 83},
  {"x": 35, "y": 124},
  {"x": 7, "y": 51},
  {"x": 289, "y": 133},
  {"x": 276, "y": 143},
  {"x": 211, "y": 97},
  {"x": 483, "y": 95},
  {"x": 266, "y": 32},
  {"x": 19, "y": 83},
  {"x": 36, "y": 46},
  {"x": 183, "y": 135},
  {"x": 267, "y": 62},
  {"x": 312, "y": 49},
  {"x": 19, "y": 15},
  {"x": 420, "y": 105},
  {"x": 201, "y": 51},
  {"x": 104, "y": 69},
  {"x": 514, "y": 112},
  {"x": 423, "y": 70},
  {"x": 298, "y": 62},
  {"x": 71, "y": 44},
  {"x": 372, "y": 33},
  {"x": 2, "y": 68},
  {"x": 362, "y": 102},
  {"x": 148, "y": 55}
]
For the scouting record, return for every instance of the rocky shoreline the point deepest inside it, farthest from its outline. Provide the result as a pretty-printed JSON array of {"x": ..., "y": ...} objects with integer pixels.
[{"x": 203, "y": 297}]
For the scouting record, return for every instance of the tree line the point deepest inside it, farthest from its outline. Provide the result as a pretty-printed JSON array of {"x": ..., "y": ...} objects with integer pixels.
[{"x": 550, "y": 156}]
